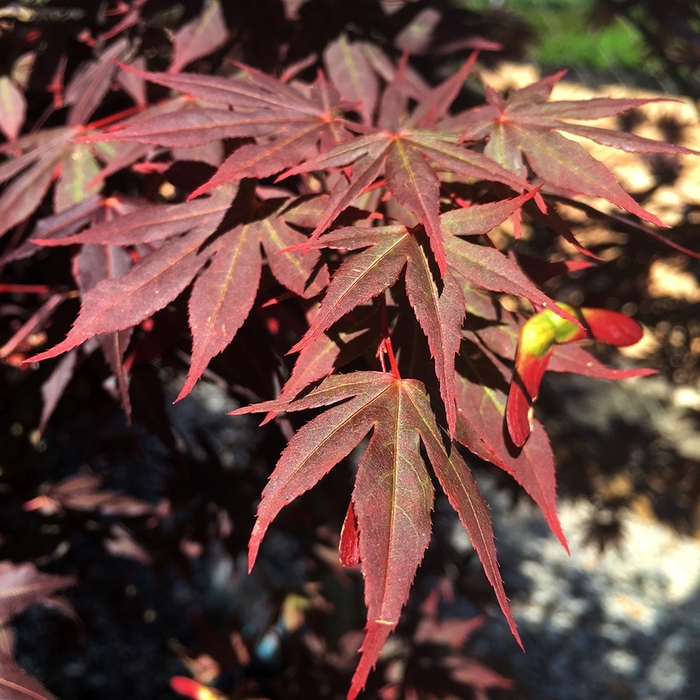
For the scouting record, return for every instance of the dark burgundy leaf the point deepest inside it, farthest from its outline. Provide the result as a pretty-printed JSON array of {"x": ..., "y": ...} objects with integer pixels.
[
  {"x": 200, "y": 37},
  {"x": 573, "y": 358},
  {"x": 303, "y": 274},
  {"x": 52, "y": 389},
  {"x": 350, "y": 71},
  {"x": 223, "y": 296},
  {"x": 90, "y": 84},
  {"x": 116, "y": 304},
  {"x": 26, "y": 193}
]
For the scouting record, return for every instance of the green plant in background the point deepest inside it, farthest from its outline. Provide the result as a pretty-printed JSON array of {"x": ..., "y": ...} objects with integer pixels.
[{"x": 569, "y": 33}]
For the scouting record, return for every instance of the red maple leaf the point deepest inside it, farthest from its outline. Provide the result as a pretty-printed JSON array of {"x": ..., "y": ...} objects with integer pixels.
[{"x": 393, "y": 494}]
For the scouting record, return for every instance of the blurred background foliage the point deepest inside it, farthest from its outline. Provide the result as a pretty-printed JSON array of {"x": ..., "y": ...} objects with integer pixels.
[{"x": 650, "y": 42}]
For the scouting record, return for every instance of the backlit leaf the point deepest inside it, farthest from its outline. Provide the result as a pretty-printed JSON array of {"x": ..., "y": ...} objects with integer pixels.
[
  {"x": 393, "y": 498},
  {"x": 525, "y": 123},
  {"x": 13, "y": 108},
  {"x": 75, "y": 183},
  {"x": 415, "y": 185},
  {"x": 569, "y": 166},
  {"x": 440, "y": 315}
]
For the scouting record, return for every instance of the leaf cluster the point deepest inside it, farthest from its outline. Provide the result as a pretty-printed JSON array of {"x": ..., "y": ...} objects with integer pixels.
[{"x": 338, "y": 210}]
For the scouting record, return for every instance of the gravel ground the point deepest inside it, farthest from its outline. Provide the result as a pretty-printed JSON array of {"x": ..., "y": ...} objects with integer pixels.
[{"x": 619, "y": 623}]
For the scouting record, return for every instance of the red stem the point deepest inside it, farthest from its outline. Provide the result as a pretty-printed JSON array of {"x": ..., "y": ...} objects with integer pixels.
[
  {"x": 392, "y": 359},
  {"x": 114, "y": 117},
  {"x": 24, "y": 289},
  {"x": 385, "y": 345}
]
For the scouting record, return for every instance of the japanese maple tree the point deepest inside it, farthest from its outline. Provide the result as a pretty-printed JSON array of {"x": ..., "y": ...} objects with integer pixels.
[{"x": 347, "y": 206}]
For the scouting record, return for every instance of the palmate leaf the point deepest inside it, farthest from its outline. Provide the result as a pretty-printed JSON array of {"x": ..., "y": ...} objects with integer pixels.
[
  {"x": 40, "y": 156},
  {"x": 289, "y": 125},
  {"x": 409, "y": 157},
  {"x": 526, "y": 124},
  {"x": 440, "y": 312},
  {"x": 404, "y": 158},
  {"x": 393, "y": 494},
  {"x": 222, "y": 295},
  {"x": 371, "y": 272},
  {"x": 55, "y": 155},
  {"x": 24, "y": 195},
  {"x": 127, "y": 298},
  {"x": 115, "y": 304},
  {"x": 293, "y": 123}
]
